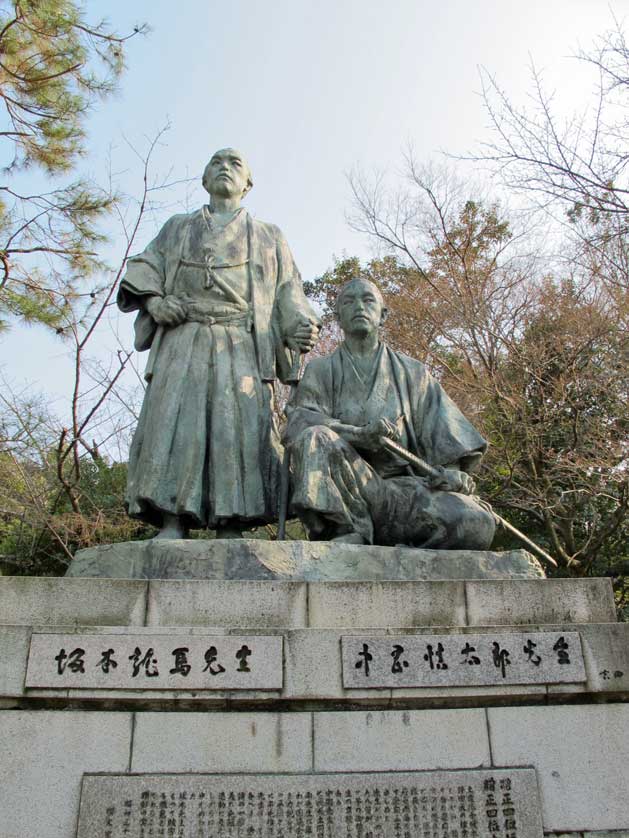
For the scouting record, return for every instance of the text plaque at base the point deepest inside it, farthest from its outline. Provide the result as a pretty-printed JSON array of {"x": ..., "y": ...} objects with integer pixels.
[
  {"x": 503, "y": 803},
  {"x": 461, "y": 659},
  {"x": 155, "y": 662}
]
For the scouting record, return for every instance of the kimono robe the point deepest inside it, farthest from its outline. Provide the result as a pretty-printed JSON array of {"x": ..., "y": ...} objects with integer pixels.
[
  {"x": 206, "y": 447},
  {"x": 339, "y": 489}
]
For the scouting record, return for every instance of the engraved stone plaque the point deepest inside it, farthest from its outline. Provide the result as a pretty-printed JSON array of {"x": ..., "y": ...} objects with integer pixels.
[
  {"x": 155, "y": 662},
  {"x": 503, "y": 803},
  {"x": 462, "y": 660}
]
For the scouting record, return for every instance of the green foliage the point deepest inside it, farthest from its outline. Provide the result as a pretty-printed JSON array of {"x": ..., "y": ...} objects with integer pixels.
[
  {"x": 387, "y": 273},
  {"x": 324, "y": 289},
  {"x": 39, "y": 530},
  {"x": 33, "y": 304},
  {"x": 560, "y": 425},
  {"x": 54, "y": 66}
]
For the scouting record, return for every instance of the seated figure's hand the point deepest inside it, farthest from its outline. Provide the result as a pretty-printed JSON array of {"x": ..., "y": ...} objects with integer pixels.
[
  {"x": 369, "y": 435},
  {"x": 166, "y": 311},
  {"x": 305, "y": 335},
  {"x": 453, "y": 480}
]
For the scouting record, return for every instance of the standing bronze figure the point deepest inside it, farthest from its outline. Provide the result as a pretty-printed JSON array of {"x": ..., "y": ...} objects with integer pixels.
[{"x": 222, "y": 310}]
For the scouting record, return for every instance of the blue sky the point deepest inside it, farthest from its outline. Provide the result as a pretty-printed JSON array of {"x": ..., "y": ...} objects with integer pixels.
[{"x": 308, "y": 91}]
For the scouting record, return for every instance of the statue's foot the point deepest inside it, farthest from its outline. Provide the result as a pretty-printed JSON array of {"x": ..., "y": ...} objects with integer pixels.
[
  {"x": 349, "y": 538},
  {"x": 172, "y": 528}
]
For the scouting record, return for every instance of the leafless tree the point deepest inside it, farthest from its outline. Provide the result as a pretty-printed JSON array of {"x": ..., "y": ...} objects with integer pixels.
[{"x": 577, "y": 165}]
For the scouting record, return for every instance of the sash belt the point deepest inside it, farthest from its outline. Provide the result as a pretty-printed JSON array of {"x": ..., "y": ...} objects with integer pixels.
[{"x": 240, "y": 318}]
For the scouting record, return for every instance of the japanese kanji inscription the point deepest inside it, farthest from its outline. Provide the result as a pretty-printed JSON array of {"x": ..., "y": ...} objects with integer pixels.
[
  {"x": 460, "y": 660},
  {"x": 503, "y": 803},
  {"x": 155, "y": 662}
]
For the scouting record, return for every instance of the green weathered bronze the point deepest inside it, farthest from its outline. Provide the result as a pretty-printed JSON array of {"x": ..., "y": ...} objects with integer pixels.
[
  {"x": 347, "y": 485},
  {"x": 222, "y": 310}
]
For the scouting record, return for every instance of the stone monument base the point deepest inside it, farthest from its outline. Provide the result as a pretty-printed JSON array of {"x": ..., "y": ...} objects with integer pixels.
[
  {"x": 296, "y": 560},
  {"x": 199, "y": 708}
]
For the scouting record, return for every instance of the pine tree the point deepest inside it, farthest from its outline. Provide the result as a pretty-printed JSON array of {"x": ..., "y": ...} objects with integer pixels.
[{"x": 54, "y": 67}]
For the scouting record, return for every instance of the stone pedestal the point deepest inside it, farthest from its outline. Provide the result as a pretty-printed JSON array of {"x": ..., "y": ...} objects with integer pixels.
[
  {"x": 294, "y": 706},
  {"x": 307, "y": 561}
]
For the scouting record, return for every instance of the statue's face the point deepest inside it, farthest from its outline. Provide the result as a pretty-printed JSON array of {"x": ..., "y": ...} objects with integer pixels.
[
  {"x": 227, "y": 174},
  {"x": 360, "y": 309}
]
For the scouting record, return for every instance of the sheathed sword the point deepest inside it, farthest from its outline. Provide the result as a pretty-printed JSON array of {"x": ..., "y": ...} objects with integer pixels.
[
  {"x": 426, "y": 470},
  {"x": 285, "y": 468}
]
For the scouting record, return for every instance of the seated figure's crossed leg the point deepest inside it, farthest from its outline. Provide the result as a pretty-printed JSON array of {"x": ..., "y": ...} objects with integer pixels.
[{"x": 337, "y": 493}]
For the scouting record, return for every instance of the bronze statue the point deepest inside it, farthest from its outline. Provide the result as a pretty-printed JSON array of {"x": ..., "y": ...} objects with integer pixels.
[
  {"x": 221, "y": 307},
  {"x": 347, "y": 485}
]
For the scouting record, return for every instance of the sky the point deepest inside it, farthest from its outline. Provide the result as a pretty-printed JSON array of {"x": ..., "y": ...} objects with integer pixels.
[{"x": 307, "y": 91}]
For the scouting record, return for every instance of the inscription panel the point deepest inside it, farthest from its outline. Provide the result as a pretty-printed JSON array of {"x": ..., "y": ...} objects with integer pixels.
[
  {"x": 502, "y": 803},
  {"x": 155, "y": 662},
  {"x": 462, "y": 660}
]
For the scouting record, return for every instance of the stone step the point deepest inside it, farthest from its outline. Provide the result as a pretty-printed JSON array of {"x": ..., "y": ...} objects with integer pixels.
[{"x": 47, "y": 601}]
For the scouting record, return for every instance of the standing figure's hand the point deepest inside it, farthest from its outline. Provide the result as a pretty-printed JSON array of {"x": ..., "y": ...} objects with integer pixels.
[
  {"x": 166, "y": 311},
  {"x": 305, "y": 335}
]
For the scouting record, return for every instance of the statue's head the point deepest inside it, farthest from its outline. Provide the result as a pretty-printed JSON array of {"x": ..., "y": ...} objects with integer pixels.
[
  {"x": 360, "y": 307},
  {"x": 227, "y": 174}
]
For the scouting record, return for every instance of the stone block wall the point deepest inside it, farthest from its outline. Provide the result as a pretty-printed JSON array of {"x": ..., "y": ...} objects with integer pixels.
[
  {"x": 575, "y": 735},
  {"x": 580, "y": 753}
]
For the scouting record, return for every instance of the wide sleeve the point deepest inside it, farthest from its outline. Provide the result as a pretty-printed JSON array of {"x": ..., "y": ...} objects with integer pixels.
[
  {"x": 290, "y": 307},
  {"x": 444, "y": 436},
  {"x": 145, "y": 277},
  {"x": 290, "y": 301}
]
